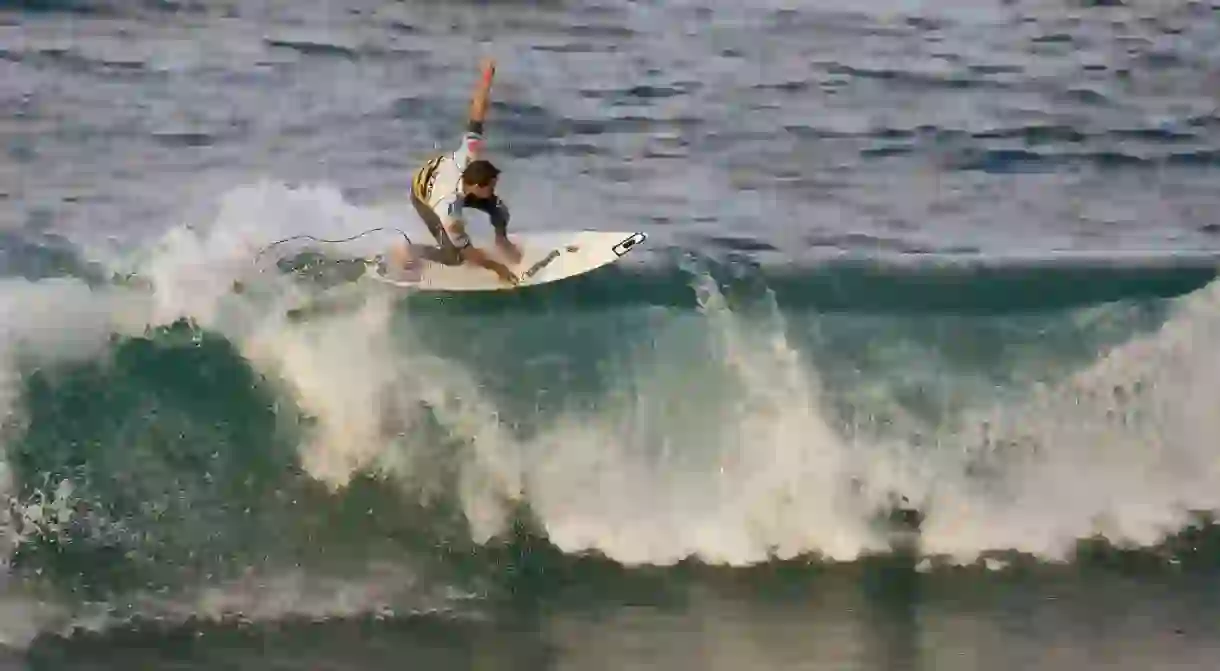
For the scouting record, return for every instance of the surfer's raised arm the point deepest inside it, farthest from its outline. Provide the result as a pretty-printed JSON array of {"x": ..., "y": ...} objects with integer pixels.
[
  {"x": 472, "y": 148},
  {"x": 481, "y": 97}
]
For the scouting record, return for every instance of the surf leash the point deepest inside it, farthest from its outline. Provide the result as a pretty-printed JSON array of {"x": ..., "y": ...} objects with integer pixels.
[
  {"x": 334, "y": 242},
  {"x": 238, "y": 286}
]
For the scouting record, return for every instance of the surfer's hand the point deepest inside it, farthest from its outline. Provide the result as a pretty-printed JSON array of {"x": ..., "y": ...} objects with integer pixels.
[
  {"x": 504, "y": 273},
  {"x": 507, "y": 275},
  {"x": 488, "y": 67}
]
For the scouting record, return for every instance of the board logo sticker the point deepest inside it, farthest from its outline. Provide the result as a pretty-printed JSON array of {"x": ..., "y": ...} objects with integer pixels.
[
  {"x": 541, "y": 264},
  {"x": 626, "y": 245}
]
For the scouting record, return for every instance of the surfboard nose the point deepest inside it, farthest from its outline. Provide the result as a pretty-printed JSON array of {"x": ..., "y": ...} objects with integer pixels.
[{"x": 626, "y": 245}]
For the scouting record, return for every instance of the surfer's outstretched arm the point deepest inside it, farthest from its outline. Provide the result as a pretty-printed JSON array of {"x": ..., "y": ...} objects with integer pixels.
[{"x": 482, "y": 97}]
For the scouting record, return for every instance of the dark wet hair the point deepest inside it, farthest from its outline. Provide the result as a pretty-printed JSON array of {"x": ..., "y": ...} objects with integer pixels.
[{"x": 479, "y": 173}]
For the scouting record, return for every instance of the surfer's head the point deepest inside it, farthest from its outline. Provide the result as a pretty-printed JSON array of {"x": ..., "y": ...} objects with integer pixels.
[{"x": 479, "y": 178}]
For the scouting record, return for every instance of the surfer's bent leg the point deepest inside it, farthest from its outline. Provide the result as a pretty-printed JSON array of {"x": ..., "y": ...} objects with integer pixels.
[{"x": 446, "y": 253}]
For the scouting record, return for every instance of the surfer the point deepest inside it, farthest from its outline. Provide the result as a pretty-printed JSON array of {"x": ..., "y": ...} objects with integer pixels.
[{"x": 447, "y": 184}]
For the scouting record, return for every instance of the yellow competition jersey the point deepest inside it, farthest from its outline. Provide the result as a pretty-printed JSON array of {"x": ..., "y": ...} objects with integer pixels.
[{"x": 438, "y": 182}]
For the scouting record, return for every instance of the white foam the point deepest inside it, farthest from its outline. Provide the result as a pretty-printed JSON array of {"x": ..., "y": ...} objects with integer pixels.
[
  {"x": 715, "y": 447},
  {"x": 1090, "y": 462}
]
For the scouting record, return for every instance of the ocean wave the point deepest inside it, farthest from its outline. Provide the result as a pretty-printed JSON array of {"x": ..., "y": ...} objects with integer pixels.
[{"x": 177, "y": 435}]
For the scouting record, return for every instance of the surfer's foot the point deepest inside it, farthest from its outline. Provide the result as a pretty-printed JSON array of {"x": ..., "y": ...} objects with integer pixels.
[
  {"x": 404, "y": 264},
  {"x": 390, "y": 269}
]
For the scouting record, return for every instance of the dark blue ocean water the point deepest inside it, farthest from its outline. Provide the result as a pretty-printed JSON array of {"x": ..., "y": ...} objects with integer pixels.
[{"x": 917, "y": 371}]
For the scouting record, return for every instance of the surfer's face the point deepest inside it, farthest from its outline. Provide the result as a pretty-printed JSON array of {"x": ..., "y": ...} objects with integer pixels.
[{"x": 486, "y": 191}]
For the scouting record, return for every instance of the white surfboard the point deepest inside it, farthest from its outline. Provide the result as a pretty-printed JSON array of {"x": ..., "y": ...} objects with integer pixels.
[{"x": 545, "y": 257}]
